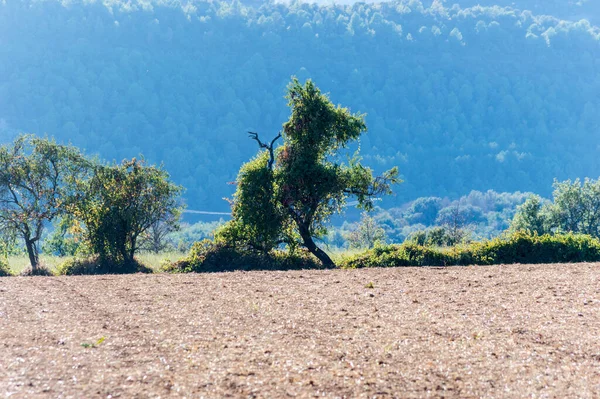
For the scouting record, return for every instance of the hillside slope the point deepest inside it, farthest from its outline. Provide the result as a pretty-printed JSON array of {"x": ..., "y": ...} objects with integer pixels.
[{"x": 459, "y": 98}]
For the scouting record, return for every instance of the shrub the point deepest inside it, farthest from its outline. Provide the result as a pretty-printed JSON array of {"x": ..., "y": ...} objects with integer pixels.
[
  {"x": 4, "y": 268},
  {"x": 93, "y": 265},
  {"x": 40, "y": 270},
  {"x": 523, "y": 247},
  {"x": 518, "y": 247},
  {"x": 209, "y": 256},
  {"x": 407, "y": 254}
]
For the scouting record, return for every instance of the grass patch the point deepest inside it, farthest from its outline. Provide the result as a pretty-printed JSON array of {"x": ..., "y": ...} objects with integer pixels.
[
  {"x": 154, "y": 261},
  {"x": 19, "y": 264}
]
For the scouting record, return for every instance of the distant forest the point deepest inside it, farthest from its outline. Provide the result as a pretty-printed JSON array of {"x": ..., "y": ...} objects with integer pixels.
[{"x": 460, "y": 98}]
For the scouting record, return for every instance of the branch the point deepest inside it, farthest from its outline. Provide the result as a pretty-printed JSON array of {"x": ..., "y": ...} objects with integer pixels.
[
  {"x": 254, "y": 136},
  {"x": 270, "y": 147}
]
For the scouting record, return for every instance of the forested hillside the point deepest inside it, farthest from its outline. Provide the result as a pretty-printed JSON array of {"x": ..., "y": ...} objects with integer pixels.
[{"x": 459, "y": 98}]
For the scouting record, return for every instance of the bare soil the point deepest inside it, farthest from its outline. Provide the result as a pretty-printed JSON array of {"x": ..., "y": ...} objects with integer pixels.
[{"x": 503, "y": 331}]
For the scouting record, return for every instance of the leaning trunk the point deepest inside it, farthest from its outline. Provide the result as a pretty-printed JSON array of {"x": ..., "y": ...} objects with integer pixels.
[
  {"x": 33, "y": 254},
  {"x": 314, "y": 249}
]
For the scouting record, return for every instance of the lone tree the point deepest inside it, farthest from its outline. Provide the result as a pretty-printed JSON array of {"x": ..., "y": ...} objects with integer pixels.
[
  {"x": 37, "y": 177},
  {"x": 119, "y": 203},
  {"x": 288, "y": 195}
]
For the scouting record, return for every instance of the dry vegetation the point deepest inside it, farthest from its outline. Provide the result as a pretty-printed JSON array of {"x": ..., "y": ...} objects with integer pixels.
[
  {"x": 20, "y": 263},
  {"x": 501, "y": 331}
]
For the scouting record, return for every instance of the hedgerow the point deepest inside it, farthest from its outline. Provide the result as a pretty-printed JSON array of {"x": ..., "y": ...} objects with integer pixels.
[
  {"x": 518, "y": 247},
  {"x": 522, "y": 247}
]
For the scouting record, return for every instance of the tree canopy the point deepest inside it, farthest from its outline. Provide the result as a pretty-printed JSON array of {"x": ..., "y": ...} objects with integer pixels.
[
  {"x": 575, "y": 209},
  {"x": 37, "y": 180},
  {"x": 119, "y": 203}
]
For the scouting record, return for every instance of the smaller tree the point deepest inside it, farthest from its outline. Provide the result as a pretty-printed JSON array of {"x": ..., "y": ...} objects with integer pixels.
[
  {"x": 367, "y": 233},
  {"x": 120, "y": 203},
  {"x": 531, "y": 216},
  {"x": 37, "y": 177},
  {"x": 438, "y": 237},
  {"x": 454, "y": 221},
  {"x": 576, "y": 207},
  {"x": 156, "y": 238}
]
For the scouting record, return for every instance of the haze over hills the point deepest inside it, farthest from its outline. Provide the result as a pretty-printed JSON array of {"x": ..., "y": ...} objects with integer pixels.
[
  {"x": 459, "y": 97},
  {"x": 562, "y": 9}
]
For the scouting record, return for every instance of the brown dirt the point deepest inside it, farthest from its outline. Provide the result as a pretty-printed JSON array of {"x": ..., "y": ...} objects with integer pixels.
[{"x": 503, "y": 331}]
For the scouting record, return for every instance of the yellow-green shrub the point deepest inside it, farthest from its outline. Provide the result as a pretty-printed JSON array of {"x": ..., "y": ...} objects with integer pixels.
[
  {"x": 518, "y": 247},
  {"x": 408, "y": 254},
  {"x": 522, "y": 247},
  {"x": 4, "y": 268}
]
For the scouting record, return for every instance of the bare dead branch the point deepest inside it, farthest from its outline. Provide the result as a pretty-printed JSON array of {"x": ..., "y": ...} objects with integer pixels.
[{"x": 269, "y": 147}]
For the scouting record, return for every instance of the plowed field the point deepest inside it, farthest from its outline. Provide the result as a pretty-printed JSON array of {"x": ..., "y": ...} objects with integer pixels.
[{"x": 503, "y": 331}]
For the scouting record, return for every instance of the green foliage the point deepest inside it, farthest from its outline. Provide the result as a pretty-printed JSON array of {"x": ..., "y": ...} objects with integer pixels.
[
  {"x": 419, "y": 237},
  {"x": 37, "y": 178},
  {"x": 454, "y": 221},
  {"x": 575, "y": 208},
  {"x": 95, "y": 265},
  {"x": 4, "y": 268},
  {"x": 120, "y": 203},
  {"x": 188, "y": 234},
  {"x": 61, "y": 242},
  {"x": 517, "y": 247},
  {"x": 156, "y": 238},
  {"x": 532, "y": 216},
  {"x": 8, "y": 244},
  {"x": 522, "y": 247},
  {"x": 438, "y": 236},
  {"x": 480, "y": 215},
  {"x": 257, "y": 220},
  {"x": 210, "y": 256},
  {"x": 407, "y": 254}
]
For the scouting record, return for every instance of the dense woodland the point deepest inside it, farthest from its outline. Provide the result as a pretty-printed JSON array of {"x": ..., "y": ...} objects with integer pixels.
[{"x": 459, "y": 98}]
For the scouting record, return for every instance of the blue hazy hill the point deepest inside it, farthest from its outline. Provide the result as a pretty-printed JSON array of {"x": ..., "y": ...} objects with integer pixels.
[{"x": 501, "y": 96}]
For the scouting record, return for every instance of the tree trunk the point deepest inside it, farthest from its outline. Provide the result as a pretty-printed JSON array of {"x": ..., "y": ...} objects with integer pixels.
[
  {"x": 132, "y": 250},
  {"x": 314, "y": 249},
  {"x": 33, "y": 254}
]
